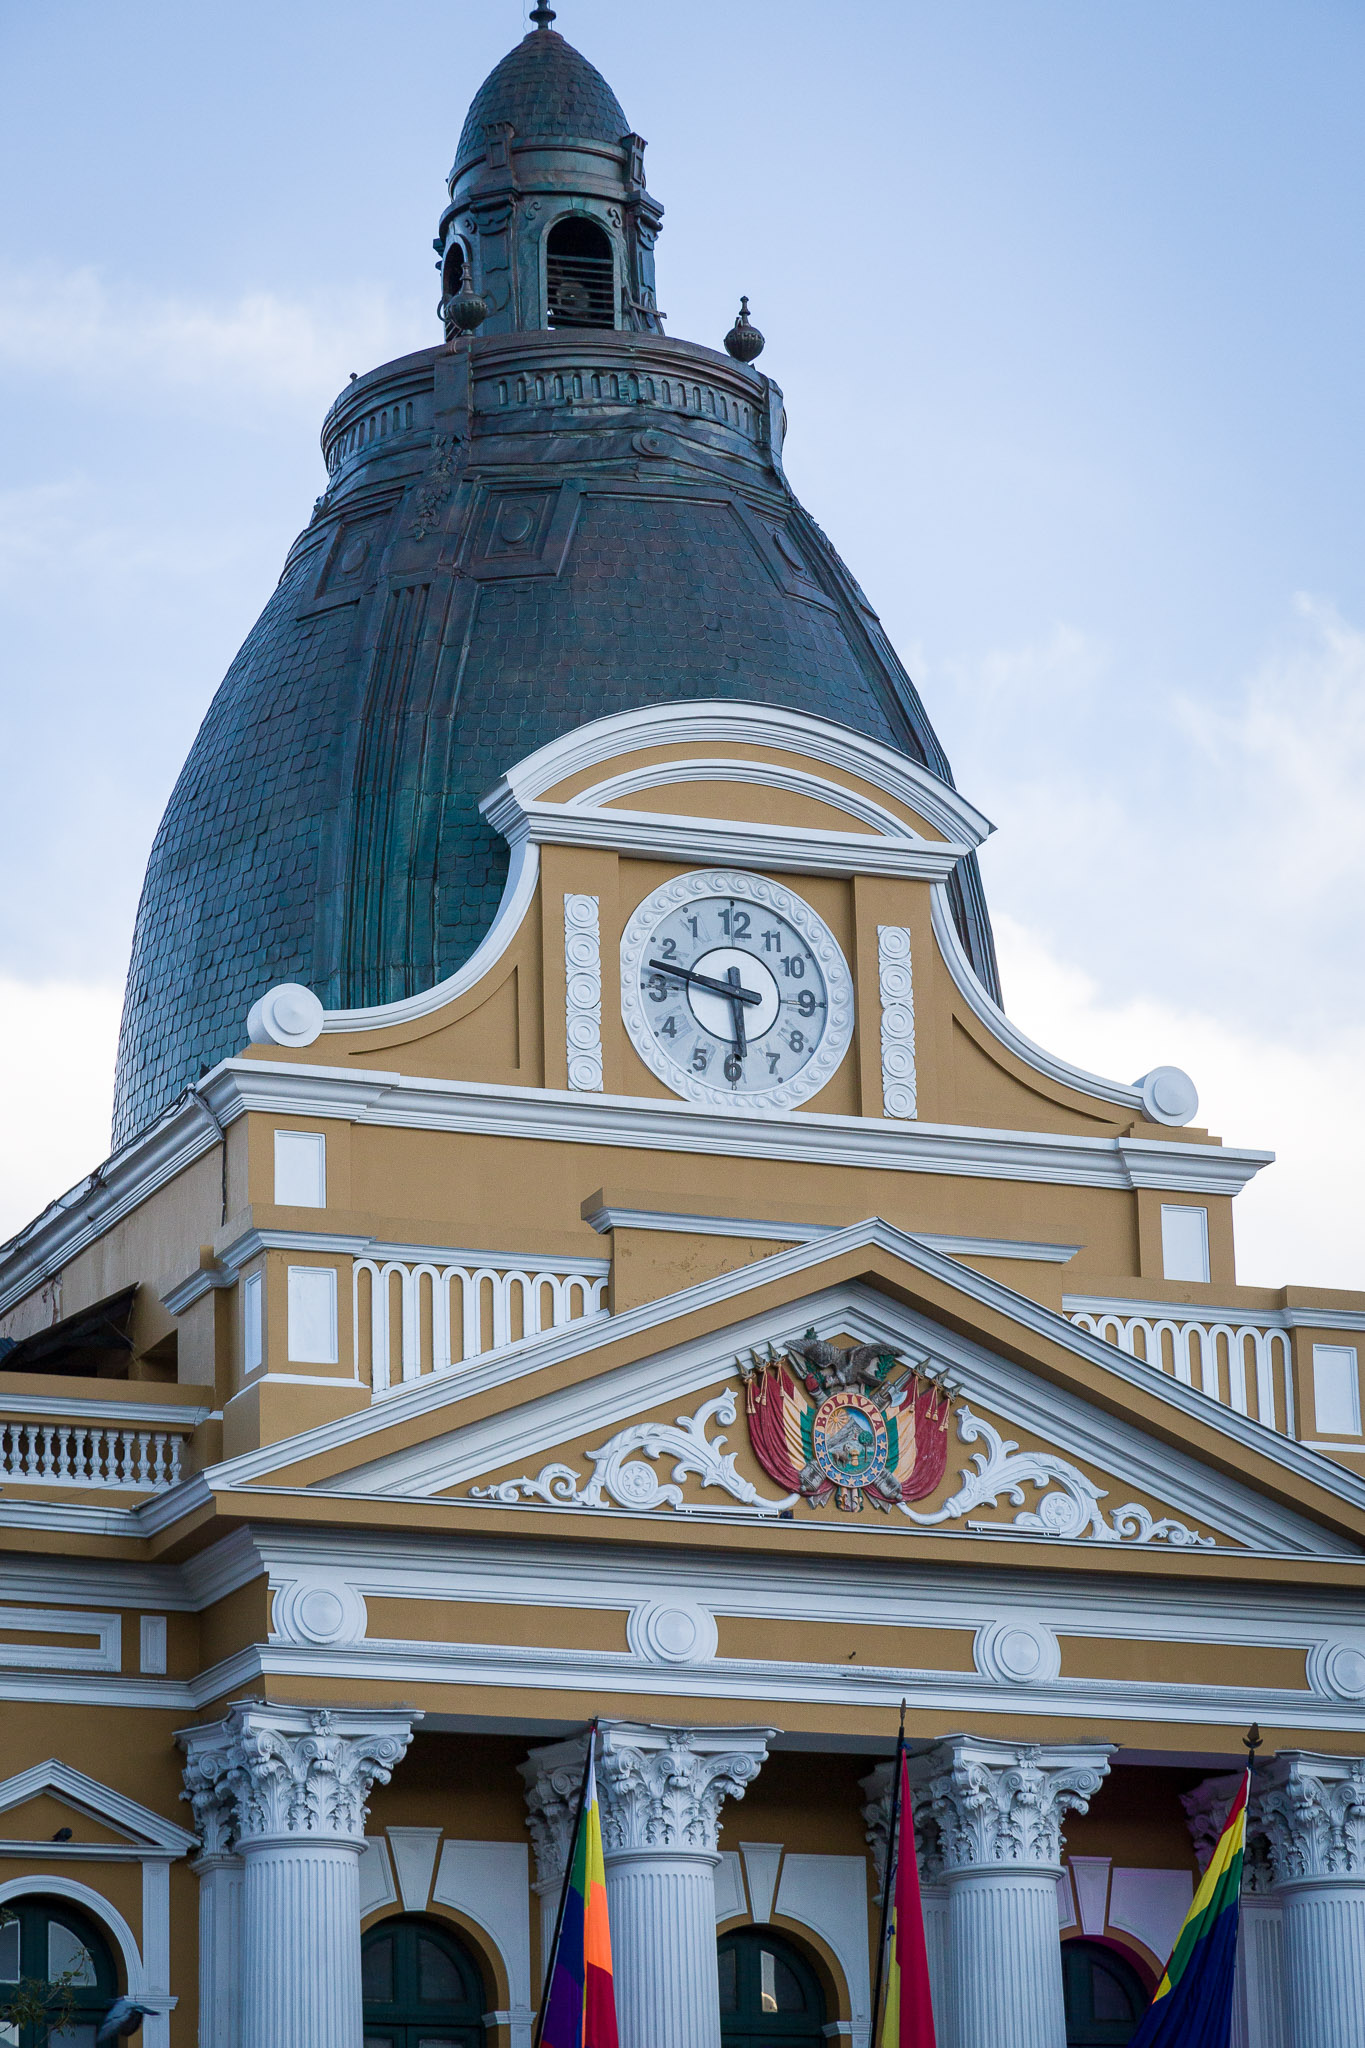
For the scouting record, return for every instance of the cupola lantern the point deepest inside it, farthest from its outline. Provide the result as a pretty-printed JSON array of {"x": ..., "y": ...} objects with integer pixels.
[{"x": 549, "y": 220}]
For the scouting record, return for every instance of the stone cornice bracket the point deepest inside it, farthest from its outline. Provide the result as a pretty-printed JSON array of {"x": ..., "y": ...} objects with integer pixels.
[
  {"x": 553, "y": 1776},
  {"x": 662, "y": 1788},
  {"x": 270, "y": 1773},
  {"x": 1002, "y": 1804},
  {"x": 1313, "y": 1810},
  {"x": 877, "y": 1815}
]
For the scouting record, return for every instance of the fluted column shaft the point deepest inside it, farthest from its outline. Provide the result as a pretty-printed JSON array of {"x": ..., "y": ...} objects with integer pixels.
[
  {"x": 221, "y": 1880},
  {"x": 301, "y": 1923},
  {"x": 1005, "y": 1958},
  {"x": 1313, "y": 1807},
  {"x": 285, "y": 1787},
  {"x": 998, "y": 1808},
  {"x": 663, "y": 1928}
]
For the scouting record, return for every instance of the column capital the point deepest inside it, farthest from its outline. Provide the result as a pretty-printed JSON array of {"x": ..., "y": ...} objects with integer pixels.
[
  {"x": 1206, "y": 1812},
  {"x": 1003, "y": 1803},
  {"x": 267, "y": 1773},
  {"x": 879, "y": 1787},
  {"x": 553, "y": 1776},
  {"x": 662, "y": 1788},
  {"x": 1313, "y": 1810}
]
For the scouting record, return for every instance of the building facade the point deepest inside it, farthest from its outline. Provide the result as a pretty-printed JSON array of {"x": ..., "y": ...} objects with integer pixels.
[{"x": 584, "y": 1242}]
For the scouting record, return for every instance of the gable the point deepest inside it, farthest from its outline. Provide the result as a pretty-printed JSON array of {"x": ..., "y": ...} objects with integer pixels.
[
  {"x": 101, "y": 1815},
  {"x": 673, "y": 1435}
]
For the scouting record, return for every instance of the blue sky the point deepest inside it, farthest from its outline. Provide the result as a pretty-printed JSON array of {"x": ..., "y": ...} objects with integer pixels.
[{"x": 1067, "y": 301}]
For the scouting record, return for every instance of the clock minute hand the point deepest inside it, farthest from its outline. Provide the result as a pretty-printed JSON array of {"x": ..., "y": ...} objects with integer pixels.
[{"x": 731, "y": 990}]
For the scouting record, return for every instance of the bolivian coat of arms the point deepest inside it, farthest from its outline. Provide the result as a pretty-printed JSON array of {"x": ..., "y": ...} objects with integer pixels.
[{"x": 852, "y": 1422}]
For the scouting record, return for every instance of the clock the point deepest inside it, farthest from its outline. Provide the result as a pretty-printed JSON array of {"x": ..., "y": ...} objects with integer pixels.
[{"x": 735, "y": 992}]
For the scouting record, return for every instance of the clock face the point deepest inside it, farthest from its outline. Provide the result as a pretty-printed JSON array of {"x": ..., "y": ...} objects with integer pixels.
[{"x": 734, "y": 991}]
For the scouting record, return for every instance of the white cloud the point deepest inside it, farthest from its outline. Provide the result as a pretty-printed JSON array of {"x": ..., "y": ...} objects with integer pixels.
[
  {"x": 1209, "y": 848},
  {"x": 57, "y": 1046},
  {"x": 1300, "y": 1220},
  {"x": 76, "y": 325}
]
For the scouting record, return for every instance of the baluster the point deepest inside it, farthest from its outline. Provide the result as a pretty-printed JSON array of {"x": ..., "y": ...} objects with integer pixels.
[
  {"x": 6, "y": 1450},
  {"x": 177, "y": 1446},
  {"x": 143, "y": 1443},
  {"x": 158, "y": 1463},
  {"x": 30, "y": 1451},
  {"x": 46, "y": 1463}
]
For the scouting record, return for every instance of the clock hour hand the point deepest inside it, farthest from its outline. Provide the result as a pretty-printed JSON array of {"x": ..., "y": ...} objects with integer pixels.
[
  {"x": 730, "y": 989},
  {"x": 737, "y": 1011}
]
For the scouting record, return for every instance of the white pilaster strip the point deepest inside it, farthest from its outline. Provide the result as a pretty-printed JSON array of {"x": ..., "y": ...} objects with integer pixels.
[
  {"x": 583, "y": 992},
  {"x": 899, "y": 1093}
]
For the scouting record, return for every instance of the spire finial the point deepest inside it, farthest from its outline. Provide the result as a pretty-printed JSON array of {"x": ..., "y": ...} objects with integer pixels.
[{"x": 542, "y": 15}]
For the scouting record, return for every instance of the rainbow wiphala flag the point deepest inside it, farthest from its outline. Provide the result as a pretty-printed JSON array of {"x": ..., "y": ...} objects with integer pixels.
[
  {"x": 580, "y": 1998},
  {"x": 1192, "y": 2005}
]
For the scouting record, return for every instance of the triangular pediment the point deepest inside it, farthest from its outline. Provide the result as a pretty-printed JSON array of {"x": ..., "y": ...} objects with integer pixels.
[
  {"x": 95, "y": 1813},
  {"x": 1048, "y": 1435}
]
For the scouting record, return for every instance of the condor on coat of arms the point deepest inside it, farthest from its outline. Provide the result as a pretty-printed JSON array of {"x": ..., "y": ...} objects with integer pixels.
[{"x": 852, "y": 1423}]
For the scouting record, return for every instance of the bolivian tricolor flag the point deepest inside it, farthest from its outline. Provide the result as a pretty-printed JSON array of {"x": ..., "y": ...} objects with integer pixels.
[
  {"x": 907, "y": 2015},
  {"x": 1192, "y": 2007},
  {"x": 580, "y": 2000}
]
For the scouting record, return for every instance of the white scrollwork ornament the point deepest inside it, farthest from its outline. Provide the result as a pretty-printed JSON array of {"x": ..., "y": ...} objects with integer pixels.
[
  {"x": 1071, "y": 1508},
  {"x": 619, "y": 1470}
]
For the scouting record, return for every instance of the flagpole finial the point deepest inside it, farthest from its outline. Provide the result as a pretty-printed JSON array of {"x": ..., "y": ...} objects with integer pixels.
[{"x": 1251, "y": 1742}]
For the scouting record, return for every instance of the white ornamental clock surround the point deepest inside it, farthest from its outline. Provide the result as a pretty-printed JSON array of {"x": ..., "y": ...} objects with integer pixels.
[{"x": 798, "y": 1002}]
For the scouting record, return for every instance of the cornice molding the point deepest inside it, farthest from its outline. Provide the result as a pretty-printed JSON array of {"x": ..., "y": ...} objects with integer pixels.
[
  {"x": 561, "y": 1116},
  {"x": 1198, "y": 1312},
  {"x": 770, "y": 1229},
  {"x": 658, "y": 835}
]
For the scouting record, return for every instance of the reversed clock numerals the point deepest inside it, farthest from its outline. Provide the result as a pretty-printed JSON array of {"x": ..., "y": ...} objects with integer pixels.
[{"x": 733, "y": 994}]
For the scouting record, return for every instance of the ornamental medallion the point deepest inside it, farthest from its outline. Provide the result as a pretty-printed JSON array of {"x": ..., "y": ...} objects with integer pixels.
[{"x": 849, "y": 1423}]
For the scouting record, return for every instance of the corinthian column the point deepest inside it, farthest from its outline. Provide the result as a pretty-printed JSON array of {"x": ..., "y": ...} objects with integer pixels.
[
  {"x": 220, "y": 1877},
  {"x": 1313, "y": 1810},
  {"x": 553, "y": 1775},
  {"x": 662, "y": 1790},
  {"x": 293, "y": 1783},
  {"x": 999, "y": 1807}
]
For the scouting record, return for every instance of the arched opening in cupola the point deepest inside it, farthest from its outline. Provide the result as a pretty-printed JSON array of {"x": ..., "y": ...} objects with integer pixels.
[{"x": 580, "y": 275}]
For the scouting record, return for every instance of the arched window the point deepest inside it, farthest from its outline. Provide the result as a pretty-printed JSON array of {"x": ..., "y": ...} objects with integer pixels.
[
  {"x": 421, "y": 1986},
  {"x": 769, "y": 1995},
  {"x": 452, "y": 271},
  {"x": 1105, "y": 1997},
  {"x": 580, "y": 275},
  {"x": 48, "y": 1941}
]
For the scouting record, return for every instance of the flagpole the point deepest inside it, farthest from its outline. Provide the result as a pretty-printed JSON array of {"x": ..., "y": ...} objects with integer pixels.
[
  {"x": 553, "y": 1956},
  {"x": 888, "y": 1880}
]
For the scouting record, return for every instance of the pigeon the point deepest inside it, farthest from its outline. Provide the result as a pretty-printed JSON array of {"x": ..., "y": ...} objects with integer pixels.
[{"x": 124, "y": 2017}]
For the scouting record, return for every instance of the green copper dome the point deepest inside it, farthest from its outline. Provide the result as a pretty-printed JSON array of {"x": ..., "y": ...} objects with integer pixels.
[
  {"x": 543, "y": 88},
  {"x": 552, "y": 524}
]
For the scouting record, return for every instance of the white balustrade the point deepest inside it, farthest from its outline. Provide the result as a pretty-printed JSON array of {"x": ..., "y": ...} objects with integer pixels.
[
  {"x": 419, "y": 1316},
  {"x": 1229, "y": 1361},
  {"x": 87, "y": 1454}
]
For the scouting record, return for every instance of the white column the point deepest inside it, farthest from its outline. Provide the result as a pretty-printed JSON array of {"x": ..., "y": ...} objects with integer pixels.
[
  {"x": 553, "y": 1775},
  {"x": 932, "y": 1890},
  {"x": 1258, "y": 1998},
  {"x": 1314, "y": 1814},
  {"x": 999, "y": 1807},
  {"x": 294, "y": 1783},
  {"x": 661, "y": 1791}
]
